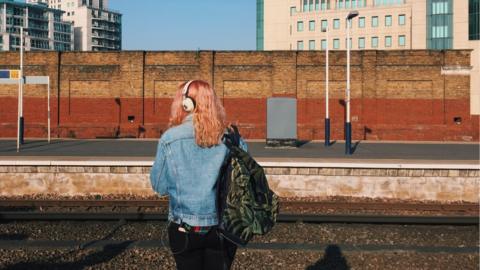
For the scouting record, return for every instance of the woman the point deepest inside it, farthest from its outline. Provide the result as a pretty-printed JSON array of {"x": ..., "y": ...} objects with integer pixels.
[{"x": 189, "y": 156}]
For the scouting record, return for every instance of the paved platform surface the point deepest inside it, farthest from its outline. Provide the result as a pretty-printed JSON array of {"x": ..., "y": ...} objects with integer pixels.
[{"x": 145, "y": 149}]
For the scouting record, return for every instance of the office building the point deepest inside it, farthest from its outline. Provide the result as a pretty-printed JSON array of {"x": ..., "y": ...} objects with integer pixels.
[
  {"x": 381, "y": 25},
  {"x": 44, "y": 28},
  {"x": 96, "y": 27}
]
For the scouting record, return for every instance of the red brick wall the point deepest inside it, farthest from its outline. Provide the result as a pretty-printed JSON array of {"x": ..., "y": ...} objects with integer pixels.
[{"x": 396, "y": 95}]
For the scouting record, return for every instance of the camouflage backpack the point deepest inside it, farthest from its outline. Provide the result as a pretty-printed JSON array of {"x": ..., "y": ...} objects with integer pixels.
[{"x": 246, "y": 206}]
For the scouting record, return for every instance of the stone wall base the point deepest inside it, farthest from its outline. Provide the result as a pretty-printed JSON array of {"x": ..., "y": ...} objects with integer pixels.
[{"x": 398, "y": 184}]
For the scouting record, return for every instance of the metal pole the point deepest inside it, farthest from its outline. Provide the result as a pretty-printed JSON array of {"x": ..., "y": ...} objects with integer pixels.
[
  {"x": 22, "y": 122},
  {"x": 48, "y": 109},
  {"x": 327, "y": 114},
  {"x": 18, "y": 117},
  {"x": 348, "y": 125}
]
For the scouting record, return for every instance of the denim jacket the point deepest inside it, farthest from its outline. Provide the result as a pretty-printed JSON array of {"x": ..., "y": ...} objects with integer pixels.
[{"x": 188, "y": 174}]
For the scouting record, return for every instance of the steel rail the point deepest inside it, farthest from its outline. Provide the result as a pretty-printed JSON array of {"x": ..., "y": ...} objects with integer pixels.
[
  {"x": 464, "y": 207},
  {"x": 155, "y": 244},
  {"x": 365, "y": 219}
]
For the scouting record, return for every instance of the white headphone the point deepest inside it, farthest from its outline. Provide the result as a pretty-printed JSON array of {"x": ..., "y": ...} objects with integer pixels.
[{"x": 188, "y": 102}]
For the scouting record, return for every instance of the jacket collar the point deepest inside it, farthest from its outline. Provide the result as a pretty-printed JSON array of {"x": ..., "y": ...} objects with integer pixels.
[{"x": 188, "y": 118}]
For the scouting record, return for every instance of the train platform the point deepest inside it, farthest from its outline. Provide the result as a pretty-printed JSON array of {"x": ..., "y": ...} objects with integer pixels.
[
  {"x": 438, "y": 172},
  {"x": 138, "y": 152}
]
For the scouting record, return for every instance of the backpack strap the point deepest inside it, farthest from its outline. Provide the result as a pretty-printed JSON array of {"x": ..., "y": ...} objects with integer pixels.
[{"x": 232, "y": 137}]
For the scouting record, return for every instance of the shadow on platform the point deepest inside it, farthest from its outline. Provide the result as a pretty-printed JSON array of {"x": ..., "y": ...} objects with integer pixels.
[{"x": 332, "y": 260}]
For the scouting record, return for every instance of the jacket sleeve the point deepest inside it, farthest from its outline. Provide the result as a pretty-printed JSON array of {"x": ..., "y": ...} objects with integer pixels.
[{"x": 158, "y": 178}]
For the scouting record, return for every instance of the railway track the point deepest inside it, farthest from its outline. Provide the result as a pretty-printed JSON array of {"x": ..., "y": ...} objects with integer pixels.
[
  {"x": 427, "y": 207},
  {"x": 153, "y": 244},
  {"x": 366, "y": 219},
  {"x": 138, "y": 210}
]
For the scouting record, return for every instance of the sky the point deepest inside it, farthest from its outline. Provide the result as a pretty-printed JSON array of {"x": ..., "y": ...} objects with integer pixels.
[{"x": 187, "y": 24}]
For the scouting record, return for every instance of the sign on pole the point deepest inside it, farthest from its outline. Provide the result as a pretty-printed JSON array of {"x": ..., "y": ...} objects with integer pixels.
[{"x": 13, "y": 77}]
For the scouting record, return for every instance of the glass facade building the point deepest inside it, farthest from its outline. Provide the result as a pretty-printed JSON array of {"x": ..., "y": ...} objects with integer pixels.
[
  {"x": 44, "y": 28},
  {"x": 439, "y": 24},
  {"x": 260, "y": 12},
  {"x": 474, "y": 19}
]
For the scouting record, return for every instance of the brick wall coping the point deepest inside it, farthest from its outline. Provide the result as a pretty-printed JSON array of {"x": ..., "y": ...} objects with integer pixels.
[{"x": 265, "y": 162}]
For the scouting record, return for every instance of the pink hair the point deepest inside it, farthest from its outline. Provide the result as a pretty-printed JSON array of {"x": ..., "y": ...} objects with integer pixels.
[{"x": 208, "y": 116}]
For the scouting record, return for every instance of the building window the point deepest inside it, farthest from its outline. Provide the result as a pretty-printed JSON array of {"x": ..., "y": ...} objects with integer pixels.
[
  {"x": 374, "y": 42},
  {"x": 293, "y": 11},
  {"x": 311, "y": 45},
  {"x": 336, "y": 24},
  {"x": 361, "y": 43},
  {"x": 388, "y": 20},
  {"x": 401, "y": 41},
  {"x": 311, "y": 5},
  {"x": 349, "y": 43},
  {"x": 299, "y": 26},
  {"x": 317, "y": 4},
  {"x": 324, "y": 44},
  {"x": 260, "y": 25},
  {"x": 336, "y": 43},
  {"x": 311, "y": 25},
  {"x": 440, "y": 31},
  {"x": 401, "y": 19},
  {"x": 305, "y": 5},
  {"x": 339, "y": 4},
  {"x": 324, "y": 24},
  {"x": 324, "y": 5},
  {"x": 474, "y": 19},
  {"x": 375, "y": 21},
  {"x": 388, "y": 41},
  {"x": 300, "y": 45},
  {"x": 361, "y": 22},
  {"x": 439, "y": 24},
  {"x": 388, "y": 2},
  {"x": 440, "y": 7}
]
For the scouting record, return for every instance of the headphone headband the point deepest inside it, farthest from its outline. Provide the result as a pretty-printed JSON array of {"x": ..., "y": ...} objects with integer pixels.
[
  {"x": 188, "y": 103},
  {"x": 185, "y": 88}
]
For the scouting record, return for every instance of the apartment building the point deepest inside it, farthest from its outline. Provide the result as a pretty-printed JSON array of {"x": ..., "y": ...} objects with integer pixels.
[
  {"x": 380, "y": 25},
  {"x": 44, "y": 28},
  {"x": 96, "y": 28}
]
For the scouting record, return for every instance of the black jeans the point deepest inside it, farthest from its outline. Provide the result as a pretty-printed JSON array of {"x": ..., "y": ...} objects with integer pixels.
[{"x": 195, "y": 251}]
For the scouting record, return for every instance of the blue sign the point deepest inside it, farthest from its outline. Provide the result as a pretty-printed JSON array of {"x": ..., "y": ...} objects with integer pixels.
[{"x": 4, "y": 74}]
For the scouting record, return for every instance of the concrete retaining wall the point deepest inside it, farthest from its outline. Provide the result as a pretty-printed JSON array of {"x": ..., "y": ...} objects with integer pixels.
[{"x": 442, "y": 185}]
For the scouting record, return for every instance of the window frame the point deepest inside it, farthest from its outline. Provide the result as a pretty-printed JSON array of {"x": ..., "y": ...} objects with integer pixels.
[
  {"x": 376, "y": 21},
  {"x": 310, "y": 28},
  {"x": 388, "y": 20},
  {"x": 363, "y": 42},
  {"x": 404, "y": 38},
  {"x": 402, "y": 21},
  {"x": 300, "y": 42},
  {"x": 374, "y": 45},
  {"x": 335, "y": 26},
  {"x": 361, "y": 19},
  {"x": 300, "y": 26},
  {"x": 388, "y": 45}
]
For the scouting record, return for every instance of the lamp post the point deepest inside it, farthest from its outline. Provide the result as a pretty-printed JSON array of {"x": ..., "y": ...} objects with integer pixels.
[
  {"x": 21, "y": 121},
  {"x": 348, "y": 125},
  {"x": 327, "y": 114}
]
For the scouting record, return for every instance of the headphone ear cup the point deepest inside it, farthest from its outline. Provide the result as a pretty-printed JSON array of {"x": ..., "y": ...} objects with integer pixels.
[{"x": 188, "y": 104}]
